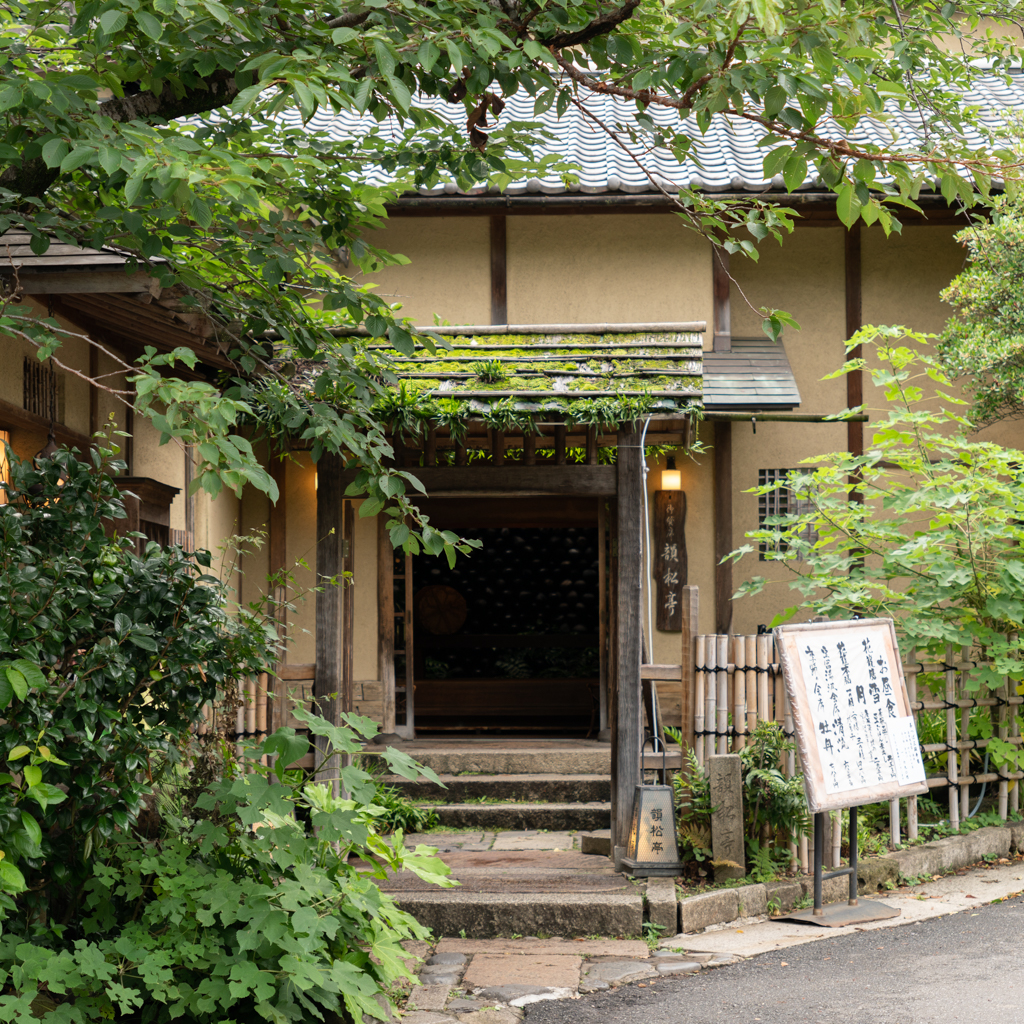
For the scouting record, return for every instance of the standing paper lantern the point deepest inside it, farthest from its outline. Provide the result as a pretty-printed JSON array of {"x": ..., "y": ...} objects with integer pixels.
[{"x": 652, "y": 849}]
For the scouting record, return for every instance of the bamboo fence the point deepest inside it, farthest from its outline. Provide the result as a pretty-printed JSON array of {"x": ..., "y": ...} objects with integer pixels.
[{"x": 738, "y": 683}]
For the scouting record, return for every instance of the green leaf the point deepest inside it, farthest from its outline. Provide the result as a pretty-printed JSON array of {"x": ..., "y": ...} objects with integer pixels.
[
  {"x": 113, "y": 21},
  {"x": 454, "y": 55},
  {"x": 153, "y": 27},
  {"x": 775, "y": 160},
  {"x": 31, "y": 827},
  {"x": 11, "y": 879},
  {"x": 774, "y": 100},
  {"x": 794, "y": 172},
  {"x": 44, "y": 794},
  {"x": 18, "y": 752},
  {"x": 18, "y": 682},
  {"x": 33, "y": 774},
  {"x": 54, "y": 152},
  {"x": 6, "y": 691},
  {"x": 286, "y": 746},
  {"x": 385, "y": 58},
  {"x": 847, "y": 204}
]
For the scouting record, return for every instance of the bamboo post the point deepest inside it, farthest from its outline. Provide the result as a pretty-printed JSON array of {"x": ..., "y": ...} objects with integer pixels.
[
  {"x": 1004, "y": 789},
  {"x": 240, "y": 718},
  {"x": 711, "y": 690},
  {"x": 912, "y": 670},
  {"x": 837, "y": 838},
  {"x": 965, "y": 736},
  {"x": 690, "y": 706},
  {"x": 722, "y": 727},
  {"x": 789, "y": 769},
  {"x": 261, "y": 712},
  {"x": 894, "y": 823},
  {"x": 1015, "y": 735},
  {"x": 739, "y": 690},
  {"x": 762, "y": 678},
  {"x": 750, "y": 661},
  {"x": 700, "y": 657},
  {"x": 951, "y": 760}
]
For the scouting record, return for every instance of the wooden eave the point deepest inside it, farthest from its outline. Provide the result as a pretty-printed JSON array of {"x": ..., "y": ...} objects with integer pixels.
[
  {"x": 754, "y": 373},
  {"x": 131, "y": 325}
]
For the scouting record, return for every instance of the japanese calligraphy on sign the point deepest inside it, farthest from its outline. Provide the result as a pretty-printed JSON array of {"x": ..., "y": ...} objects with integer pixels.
[
  {"x": 669, "y": 563},
  {"x": 854, "y": 728}
]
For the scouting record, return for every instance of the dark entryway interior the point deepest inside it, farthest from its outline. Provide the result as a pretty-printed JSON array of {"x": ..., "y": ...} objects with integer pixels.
[{"x": 507, "y": 639}]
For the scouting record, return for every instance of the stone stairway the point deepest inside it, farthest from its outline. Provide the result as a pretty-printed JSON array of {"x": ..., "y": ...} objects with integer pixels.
[
  {"x": 518, "y": 822},
  {"x": 500, "y": 785}
]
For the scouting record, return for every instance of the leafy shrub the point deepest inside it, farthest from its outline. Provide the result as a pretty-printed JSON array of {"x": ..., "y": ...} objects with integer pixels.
[
  {"x": 774, "y": 807},
  {"x": 254, "y": 898}
]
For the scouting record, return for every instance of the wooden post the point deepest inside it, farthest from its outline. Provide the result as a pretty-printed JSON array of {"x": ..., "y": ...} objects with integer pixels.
[
  {"x": 722, "y": 486},
  {"x": 688, "y": 653},
  {"x": 629, "y": 587},
  {"x": 327, "y": 684},
  {"x": 560, "y": 432},
  {"x": 386, "y": 630},
  {"x": 348, "y": 595},
  {"x": 499, "y": 274},
  {"x": 529, "y": 447},
  {"x": 604, "y": 733}
]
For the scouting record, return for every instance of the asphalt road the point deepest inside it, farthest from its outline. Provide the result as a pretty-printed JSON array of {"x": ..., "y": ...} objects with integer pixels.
[{"x": 967, "y": 968}]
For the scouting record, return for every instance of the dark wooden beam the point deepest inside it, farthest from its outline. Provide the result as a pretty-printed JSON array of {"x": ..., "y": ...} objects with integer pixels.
[
  {"x": 629, "y": 591},
  {"x": 13, "y": 417},
  {"x": 75, "y": 282},
  {"x": 386, "y": 629},
  {"x": 854, "y": 380},
  {"x": 722, "y": 486},
  {"x": 499, "y": 271},
  {"x": 512, "y": 479},
  {"x": 327, "y": 685},
  {"x": 722, "y": 339},
  {"x": 277, "y": 530}
]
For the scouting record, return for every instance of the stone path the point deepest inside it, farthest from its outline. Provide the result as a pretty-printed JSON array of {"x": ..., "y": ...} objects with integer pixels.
[{"x": 489, "y": 981}]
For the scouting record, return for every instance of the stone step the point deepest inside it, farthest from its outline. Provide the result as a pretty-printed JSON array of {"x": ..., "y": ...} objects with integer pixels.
[
  {"x": 509, "y": 758},
  {"x": 484, "y": 915},
  {"x": 459, "y": 789},
  {"x": 553, "y": 817}
]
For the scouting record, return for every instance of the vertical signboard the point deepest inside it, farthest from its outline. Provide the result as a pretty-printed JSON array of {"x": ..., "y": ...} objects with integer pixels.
[{"x": 669, "y": 558}]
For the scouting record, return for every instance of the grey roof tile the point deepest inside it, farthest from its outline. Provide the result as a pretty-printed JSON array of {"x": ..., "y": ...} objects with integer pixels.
[{"x": 727, "y": 158}]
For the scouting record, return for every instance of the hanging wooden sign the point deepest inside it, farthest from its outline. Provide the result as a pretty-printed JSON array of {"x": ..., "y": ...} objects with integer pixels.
[
  {"x": 854, "y": 727},
  {"x": 669, "y": 558}
]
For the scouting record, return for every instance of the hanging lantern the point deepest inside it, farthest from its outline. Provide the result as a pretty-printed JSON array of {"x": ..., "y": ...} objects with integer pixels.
[
  {"x": 651, "y": 849},
  {"x": 671, "y": 478}
]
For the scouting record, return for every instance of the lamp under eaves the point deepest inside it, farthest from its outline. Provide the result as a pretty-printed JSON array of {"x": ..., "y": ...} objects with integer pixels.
[
  {"x": 671, "y": 478},
  {"x": 651, "y": 848}
]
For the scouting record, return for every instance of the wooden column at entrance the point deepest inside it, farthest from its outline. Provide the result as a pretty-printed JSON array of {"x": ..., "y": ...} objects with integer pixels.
[
  {"x": 626, "y": 748},
  {"x": 327, "y": 684}
]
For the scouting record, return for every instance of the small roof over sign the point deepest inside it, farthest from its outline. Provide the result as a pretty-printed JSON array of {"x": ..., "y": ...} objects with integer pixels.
[{"x": 754, "y": 374}]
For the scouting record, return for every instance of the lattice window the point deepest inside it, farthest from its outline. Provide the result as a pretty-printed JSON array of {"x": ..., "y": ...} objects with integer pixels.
[
  {"x": 43, "y": 390},
  {"x": 780, "y": 502}
]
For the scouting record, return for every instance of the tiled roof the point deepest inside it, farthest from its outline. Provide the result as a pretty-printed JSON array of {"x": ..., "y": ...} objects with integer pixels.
[
  {"x": 727, "y": 158},
  {"x": 755, "y": 374}
]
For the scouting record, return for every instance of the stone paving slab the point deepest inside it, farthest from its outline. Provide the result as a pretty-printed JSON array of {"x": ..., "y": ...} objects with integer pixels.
[
  {"x": 532, "y": 840},
  {"x": 547, "y": 947},
  {"x": 558, "y": 970}
]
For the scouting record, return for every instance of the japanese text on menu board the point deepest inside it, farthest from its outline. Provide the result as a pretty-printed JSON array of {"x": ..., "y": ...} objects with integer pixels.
[{"x": 853, "y": 706}]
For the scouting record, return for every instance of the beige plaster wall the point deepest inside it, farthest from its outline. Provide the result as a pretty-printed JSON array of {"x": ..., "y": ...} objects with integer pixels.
[
  {"x": 806, "y": 278},
  {"x": 449, "y": 273},
  {"x": 605, "y": 269}
]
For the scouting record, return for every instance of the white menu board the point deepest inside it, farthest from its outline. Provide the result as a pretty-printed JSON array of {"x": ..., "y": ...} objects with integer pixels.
[{"x": 854, "y": 728}]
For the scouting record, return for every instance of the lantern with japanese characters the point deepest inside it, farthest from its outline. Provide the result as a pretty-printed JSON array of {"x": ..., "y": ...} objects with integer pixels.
[{"x": 652, "y": 849}]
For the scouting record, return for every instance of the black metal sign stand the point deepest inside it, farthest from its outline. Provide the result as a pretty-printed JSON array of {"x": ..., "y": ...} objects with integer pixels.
[{"x": 839, "y": 915}]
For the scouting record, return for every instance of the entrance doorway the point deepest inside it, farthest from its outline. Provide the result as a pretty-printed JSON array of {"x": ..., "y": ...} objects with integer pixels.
[{"x": 510, "y": 638}]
